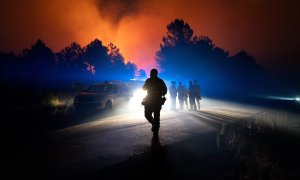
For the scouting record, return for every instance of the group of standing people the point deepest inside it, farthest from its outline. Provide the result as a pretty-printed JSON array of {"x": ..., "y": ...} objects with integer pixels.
[{"x": 192, "y": 93}]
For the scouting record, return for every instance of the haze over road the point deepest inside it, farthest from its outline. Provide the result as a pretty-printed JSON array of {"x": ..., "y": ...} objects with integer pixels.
[{"x": 192, "y": 144}]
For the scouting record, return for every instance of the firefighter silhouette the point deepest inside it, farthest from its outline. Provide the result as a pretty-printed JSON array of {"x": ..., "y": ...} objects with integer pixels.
[
  {"x": 181, "y": 95},
  {"x": 173, "y": 95},
  {"x": 192, "y": 96},
  {"x": 156, "y": 90},
  {"x": 197, "y": 92},
  {"x": 185, "y": 98}
]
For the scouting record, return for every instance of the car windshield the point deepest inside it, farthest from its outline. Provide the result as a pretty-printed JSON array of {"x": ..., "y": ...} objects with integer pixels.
[{"x": 99, "y": 88}]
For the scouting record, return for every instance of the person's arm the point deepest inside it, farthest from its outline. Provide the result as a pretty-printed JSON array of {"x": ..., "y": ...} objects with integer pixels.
[
  {"x": 164, "y": 88},
  {"x": 145, "y": 86}
]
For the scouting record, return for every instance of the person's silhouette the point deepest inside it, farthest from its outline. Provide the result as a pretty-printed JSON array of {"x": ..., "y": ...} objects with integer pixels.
[
  {"x": 192, "y": 96},
  {"x": 173, "y": 95},
  {"x": 181, "y": 94},
  {"x": 197, "y": 94},
  {"x": 156, "y": 90}
]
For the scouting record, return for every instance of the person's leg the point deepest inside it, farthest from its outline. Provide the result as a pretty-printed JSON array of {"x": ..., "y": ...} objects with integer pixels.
[
  {"x": 186, "y": 103},
  {"x": 198, "y": 103},
  {"x": 156, "y": 120},
  {"x": 191, "y": 103},
  {"x": 181, "y": 103},
  {"x": 148, "y": 114},
  {"x": 173, "y": 103},
  {"x": 194, "y": 104}
]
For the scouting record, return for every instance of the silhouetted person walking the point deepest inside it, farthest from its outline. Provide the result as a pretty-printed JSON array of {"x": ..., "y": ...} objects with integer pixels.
[
  {"x": 173, "y": 94},
  {"x": 181, "y": 94},
  {"x": 156, "y": 90},
  {"x": 192, "y": 96},
  {"x": 185, "y": 97},
  {"x": 197, "y": 91}
]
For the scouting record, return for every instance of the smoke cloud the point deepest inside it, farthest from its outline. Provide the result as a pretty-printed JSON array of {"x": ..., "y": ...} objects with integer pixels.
[
  {"x": 115, "y": 10},
  {"x": 267, "y": 29}
]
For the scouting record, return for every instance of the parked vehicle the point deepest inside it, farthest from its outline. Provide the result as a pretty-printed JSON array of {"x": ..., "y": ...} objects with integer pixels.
[{"x": 102, "y": 96}]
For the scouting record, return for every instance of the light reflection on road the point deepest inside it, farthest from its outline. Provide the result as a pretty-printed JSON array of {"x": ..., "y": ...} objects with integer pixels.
[
  {"x": 132, "y": 114},
  {"x": 111, "y": 139}
]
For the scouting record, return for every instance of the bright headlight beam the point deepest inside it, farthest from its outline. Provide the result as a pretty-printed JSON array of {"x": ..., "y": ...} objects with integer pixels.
[
  {"x": 139, "y": 94},
  {"x": 136, "y": 100}
]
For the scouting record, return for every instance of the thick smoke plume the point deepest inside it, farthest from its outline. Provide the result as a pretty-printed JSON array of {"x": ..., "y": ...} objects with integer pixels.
[{"x": 116, "y": 10}]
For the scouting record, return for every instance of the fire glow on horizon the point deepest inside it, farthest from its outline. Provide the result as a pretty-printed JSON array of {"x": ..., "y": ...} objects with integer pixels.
[{"x": 137, "y": 27}]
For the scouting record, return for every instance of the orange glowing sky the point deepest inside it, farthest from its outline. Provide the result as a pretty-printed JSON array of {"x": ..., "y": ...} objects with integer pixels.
[{"x": 268, "y": 30}]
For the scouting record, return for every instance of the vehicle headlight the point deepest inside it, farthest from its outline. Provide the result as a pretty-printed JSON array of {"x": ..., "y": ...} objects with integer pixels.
[{"x": 139, "y": 94}]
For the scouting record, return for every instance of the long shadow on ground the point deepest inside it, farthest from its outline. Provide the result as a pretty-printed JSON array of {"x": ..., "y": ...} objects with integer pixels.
[{"x": 239, "y": 153}]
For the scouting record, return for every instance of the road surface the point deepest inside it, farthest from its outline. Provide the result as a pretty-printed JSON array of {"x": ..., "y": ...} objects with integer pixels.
[{"x": 221, "y": 141}]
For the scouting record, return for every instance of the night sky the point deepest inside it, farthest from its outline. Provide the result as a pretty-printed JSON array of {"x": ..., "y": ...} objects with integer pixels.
[{"x": 267, "y": 29}]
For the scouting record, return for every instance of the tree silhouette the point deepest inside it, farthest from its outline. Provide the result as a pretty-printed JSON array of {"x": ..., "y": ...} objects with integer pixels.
[
  {"x": 246, "y": 71},
  {"x": 71, "y": 56},
  {"x": 131, "y": 68},
  {"x": 39, "y": 53},
  {"x": 71, "y": 63},
  {"x": 142, "y": 74},
  {"x": 38, "y": 63},
  {"x": 178, "y": 32},
  {"x": 9, "y": 66},
  {"x": 108, "y": 62},
  {"x": 96, "y": 55},
  {"x": 118, "y": 66},
  {"x": 174, "y": 48},
  {"x": 185, "y": 57},
  {"x": 116, "y": 59}
]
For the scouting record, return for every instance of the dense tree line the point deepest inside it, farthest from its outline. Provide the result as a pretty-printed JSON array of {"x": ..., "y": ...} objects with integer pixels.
[
  {"x": 39, "y": 65},
  {"x": 184, "y": 56}
]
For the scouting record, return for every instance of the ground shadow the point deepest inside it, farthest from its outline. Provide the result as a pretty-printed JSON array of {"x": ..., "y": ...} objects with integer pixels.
[{"x": 231, "y": 152}]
